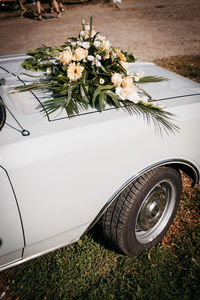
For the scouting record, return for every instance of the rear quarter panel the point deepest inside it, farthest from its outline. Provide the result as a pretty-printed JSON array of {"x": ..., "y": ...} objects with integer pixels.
[{"x": 66, "y": 171}]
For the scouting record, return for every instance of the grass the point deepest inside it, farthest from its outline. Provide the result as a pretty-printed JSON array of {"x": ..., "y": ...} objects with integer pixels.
[{"x": 90, "y": 270}]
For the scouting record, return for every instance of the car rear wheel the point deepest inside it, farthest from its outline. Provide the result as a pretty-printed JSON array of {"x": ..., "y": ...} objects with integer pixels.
[{"x": 140, "y": 216}]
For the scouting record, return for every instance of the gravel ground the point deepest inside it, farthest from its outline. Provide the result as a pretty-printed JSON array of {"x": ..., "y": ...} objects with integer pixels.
[{"x": 151, "y": 29}]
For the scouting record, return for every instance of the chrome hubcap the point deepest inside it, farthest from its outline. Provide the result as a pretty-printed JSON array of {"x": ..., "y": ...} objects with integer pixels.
[{"x": 155, "y": 211}]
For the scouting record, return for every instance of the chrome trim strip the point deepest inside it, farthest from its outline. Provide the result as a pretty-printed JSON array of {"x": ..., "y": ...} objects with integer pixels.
[{"x": 134, "y": 177}]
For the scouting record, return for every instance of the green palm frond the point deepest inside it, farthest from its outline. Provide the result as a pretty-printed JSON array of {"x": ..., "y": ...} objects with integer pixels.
[
  {"x": 147, "y": 79},
  {"x": 162, "y": 120}
]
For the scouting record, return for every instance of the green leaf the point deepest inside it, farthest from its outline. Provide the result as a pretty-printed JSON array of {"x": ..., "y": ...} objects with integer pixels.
[
  {"x": 96, "y": 93},
  {"x": 151, "y": 79},
  {"x": 114, "y": 98},
  {"x": 83, "y": 94},
  {"x": 69, "y": 95},
  {"x": 102, "y": 101}
]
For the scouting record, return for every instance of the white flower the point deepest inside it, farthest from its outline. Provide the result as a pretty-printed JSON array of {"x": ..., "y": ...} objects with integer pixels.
[
  {"x": 87, "y": 27},
  {"x": 93, "y": 33},
  {"x": 73, "y": 44},
  {"x": 101, "y": 38},
  {"x": 113, "y": 55},
  {"x": 95, "y": 60},
  {"x": 118, "y": 92},
  {"x": 138, "y": 75},
  {"x": 90, "y": 57},
  {"x": 101, "y": 81},
  {"x": 127, "y": 82},
  {"x": 79, "y": 43},
  {"x": 82, "y": 33},
  {"x": 98, "y": 57},
  {"x": 48, "y": 71},
  {"x": 107, "y": 44},
  {"x": 97, "y": 44},
  {"x": 116, "y": 79},
  {"x": 86, "y": 45},
  {"x": 127, "y": 94},
  {"x": 97, "y": 63},
  {"x": 136, "y": 78}
]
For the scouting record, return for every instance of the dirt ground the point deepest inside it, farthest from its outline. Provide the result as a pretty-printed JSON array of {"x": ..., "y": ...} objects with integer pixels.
[{"x": 151, "y": 29}]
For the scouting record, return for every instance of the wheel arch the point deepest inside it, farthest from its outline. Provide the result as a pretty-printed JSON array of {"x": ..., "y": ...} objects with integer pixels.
[{"x": 187, "y": 167}]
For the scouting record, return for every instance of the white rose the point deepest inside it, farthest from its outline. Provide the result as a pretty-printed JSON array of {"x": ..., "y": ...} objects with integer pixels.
[
  {"x": 116, "y": 79},
  {"x": 80, "y": 54},
  {"x": 97, "y": 44},
  {"x": 86, "y": 45}
]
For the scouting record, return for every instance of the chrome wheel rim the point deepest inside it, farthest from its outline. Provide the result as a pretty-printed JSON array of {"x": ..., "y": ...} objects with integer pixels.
[{"x": 155, "y": 211}]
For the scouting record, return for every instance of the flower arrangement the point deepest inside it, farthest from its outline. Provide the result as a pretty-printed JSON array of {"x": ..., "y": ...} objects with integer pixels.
[{"x": 88, "y": 72}]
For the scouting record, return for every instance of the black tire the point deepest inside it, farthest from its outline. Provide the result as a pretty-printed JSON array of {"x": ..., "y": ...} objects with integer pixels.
[{"x": 141, "y": 215}]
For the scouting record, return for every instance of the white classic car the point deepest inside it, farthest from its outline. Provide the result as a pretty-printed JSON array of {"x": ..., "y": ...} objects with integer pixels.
[{"x": 59, "y": 176}]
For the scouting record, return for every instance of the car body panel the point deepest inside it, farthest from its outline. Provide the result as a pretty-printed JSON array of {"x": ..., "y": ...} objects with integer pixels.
[{"x": 68, "y": 170}]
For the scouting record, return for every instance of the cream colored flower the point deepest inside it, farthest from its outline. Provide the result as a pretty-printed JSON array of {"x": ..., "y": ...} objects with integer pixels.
[
  {"x": 97, "y": 44},
  {"x": 116, "y": 79},
  {"x": 127, "y": 82},
  {"x": 105, "y": 46},
  {"x": 127, "y": 94},
  {"x": 120, "y": 54},
  {"x": 80, "y": 54},
  {"x": 74, "y": 71},
  {"x": 107, "y": 56},
  {"x": 86, "y": 45},
  {"x": 66, "y": 57}
]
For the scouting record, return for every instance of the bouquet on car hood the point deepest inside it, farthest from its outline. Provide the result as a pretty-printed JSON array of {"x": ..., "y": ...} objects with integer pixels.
[{"x": 88, "y": 72}]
